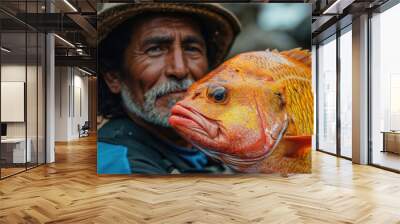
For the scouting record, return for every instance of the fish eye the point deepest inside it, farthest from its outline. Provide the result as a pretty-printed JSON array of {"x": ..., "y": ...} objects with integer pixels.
[{"x": 217, "y": 94}]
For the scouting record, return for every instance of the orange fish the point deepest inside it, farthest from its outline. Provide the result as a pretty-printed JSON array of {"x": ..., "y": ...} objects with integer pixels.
[{"x": 254, "y": 112}]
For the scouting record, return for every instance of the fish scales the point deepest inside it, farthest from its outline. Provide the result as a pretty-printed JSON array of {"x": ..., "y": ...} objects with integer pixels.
[{"x": 254, "y": 112}]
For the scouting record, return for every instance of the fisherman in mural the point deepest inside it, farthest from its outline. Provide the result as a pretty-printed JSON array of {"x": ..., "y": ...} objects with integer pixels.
[{"x": 149, "y": 54}]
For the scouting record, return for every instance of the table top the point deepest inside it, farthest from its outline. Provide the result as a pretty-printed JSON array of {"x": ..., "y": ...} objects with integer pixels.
[
  {"x": 391, "y": 132},
  {"x": 13, "y": 140}
]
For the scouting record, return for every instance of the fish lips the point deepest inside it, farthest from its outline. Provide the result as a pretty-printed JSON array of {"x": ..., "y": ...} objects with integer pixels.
[
  {"x": 184, "y": 116},
  {"x": 189, "y": 123}
]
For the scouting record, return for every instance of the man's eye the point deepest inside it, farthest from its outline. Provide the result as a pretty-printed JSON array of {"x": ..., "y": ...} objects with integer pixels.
[
  {"x": 154, "y": 51},
  {"x": 192, "y": 49}
]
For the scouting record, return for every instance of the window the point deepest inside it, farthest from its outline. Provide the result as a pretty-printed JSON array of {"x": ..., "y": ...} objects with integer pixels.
[
  {"x": 327, "y": 96},
  {"x": 385, "y": 89},
  {"x": 346, "y": 92},
  {"x": 22, "y": 101}
]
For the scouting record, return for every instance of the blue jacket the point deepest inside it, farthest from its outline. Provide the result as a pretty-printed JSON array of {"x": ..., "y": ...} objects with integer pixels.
[{"x": 124, "y": 148}]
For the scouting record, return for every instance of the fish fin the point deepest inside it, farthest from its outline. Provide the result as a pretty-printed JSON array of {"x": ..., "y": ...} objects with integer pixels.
[
  {"x": 299, "y": 146},
  {"x": 303, "y": 56}
]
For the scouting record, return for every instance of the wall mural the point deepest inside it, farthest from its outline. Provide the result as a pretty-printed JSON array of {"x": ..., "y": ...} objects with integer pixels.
[{"x": 204, "y": 88}]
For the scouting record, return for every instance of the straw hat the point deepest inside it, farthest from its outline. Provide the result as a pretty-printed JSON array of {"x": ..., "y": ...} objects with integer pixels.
[{"x": 221, "y": 25}]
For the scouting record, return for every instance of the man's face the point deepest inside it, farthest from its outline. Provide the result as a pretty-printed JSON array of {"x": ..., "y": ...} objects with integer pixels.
[{"x": 165, "y": 56}]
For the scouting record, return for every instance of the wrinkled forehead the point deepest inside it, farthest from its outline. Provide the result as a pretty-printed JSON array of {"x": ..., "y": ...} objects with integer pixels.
[{"x": 165, "y": 21}]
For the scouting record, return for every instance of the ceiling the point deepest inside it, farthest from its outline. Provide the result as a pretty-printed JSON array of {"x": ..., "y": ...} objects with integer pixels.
[
  {"x": 75, "y": 21},
  {"x": 72, "y": 20},
  {"x": 330, "y": 15}
]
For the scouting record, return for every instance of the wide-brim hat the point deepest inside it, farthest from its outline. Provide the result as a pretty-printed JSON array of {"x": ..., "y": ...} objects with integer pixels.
[{"x": 221, "y": 25}]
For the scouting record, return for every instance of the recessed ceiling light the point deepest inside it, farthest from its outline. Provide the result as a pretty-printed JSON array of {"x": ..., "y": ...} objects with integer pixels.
[
  {"x": 70, "y": 5},
  {"x": 5, "y": 49},
  {"x": 84, "y": 71},
  {"x": 65, "y": 41},
  {"x": 338, "y": 6}
]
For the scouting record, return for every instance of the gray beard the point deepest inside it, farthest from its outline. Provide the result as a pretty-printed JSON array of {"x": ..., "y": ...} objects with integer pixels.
[{"x": 149, "y": 112}]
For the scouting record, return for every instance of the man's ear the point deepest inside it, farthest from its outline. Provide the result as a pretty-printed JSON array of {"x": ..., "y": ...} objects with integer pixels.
[{"x": 113, "y": 82}]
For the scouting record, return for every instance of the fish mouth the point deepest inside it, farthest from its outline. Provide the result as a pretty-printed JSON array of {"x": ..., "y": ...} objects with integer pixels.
[
  {"x": 208, "y": 134},
  {"x": 248, "y": 163},
  {"x": 189, "y": 118}
]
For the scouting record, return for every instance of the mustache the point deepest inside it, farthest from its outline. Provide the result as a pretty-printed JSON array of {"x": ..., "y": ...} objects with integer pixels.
[
  {"x": 148, "y": 110},
  {"x": 168, "y": 87}
]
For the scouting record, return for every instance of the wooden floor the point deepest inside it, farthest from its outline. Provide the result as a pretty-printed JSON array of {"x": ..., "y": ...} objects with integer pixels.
[
  {"x": 5, "y": 172},
  {"x": 69, "y": 191},
  {"x": 10, "y": 171}
]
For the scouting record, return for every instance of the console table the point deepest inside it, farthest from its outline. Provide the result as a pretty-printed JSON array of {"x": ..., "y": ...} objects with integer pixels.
[
  {"x": 13, "y": 150},
  {"x": 391, "y": 141}
]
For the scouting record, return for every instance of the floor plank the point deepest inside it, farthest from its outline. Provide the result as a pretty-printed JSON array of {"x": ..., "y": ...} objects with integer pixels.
[{"x": 69, "y": 191}]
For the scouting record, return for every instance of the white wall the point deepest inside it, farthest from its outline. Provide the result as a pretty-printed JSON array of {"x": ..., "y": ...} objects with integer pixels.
[
  {"x": 71, "y": 94},
  {"x": 61, "y": 103},
  {"x": 80, "y": 109},
  {"x": 12, "y": 73},
  {"x": 16, "y": 73},
  {"x": 33, "y": 127}
]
